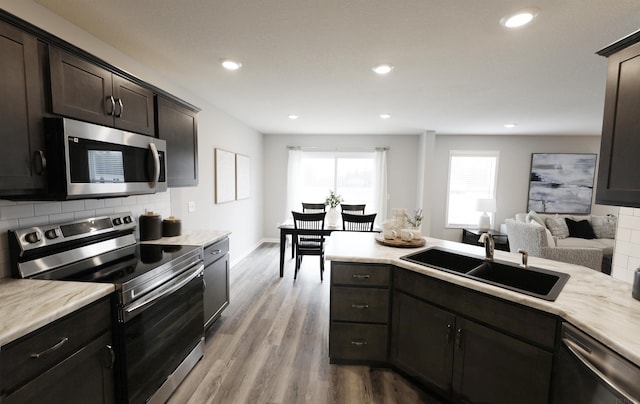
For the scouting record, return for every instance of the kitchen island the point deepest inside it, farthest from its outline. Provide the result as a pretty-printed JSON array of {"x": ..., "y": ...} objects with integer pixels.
[{"x": 477, "y": 319}]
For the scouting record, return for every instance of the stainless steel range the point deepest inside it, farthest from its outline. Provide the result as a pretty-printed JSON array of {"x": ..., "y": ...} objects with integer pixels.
[{"x": 157, "y": 308}]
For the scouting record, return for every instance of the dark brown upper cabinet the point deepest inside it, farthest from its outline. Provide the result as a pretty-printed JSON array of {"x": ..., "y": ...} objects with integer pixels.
[
  {"x": 21, "y": 155},
  {"x": 618, "y": 179},
  {"x": 86, "y": 91},
  {"x": 178, "y": 126}
]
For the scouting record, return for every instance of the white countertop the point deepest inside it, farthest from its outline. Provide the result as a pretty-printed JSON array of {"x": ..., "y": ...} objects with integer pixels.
[
  {"x": 192, "y": 237},
  {"x": 596, "y": 303},
  {"x": 28, "y": 304}
]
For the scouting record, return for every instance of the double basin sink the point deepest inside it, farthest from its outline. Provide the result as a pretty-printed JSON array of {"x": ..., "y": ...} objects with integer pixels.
[{"x": 532, "y": 281}]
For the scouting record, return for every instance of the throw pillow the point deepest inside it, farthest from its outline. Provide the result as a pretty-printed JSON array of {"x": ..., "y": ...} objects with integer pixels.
[
  {"x": 533, "y": 216},
  {"x": 557, "y": 226},
  {"x": 580, "y": 229},
  {"x": 604, "y": 226}
]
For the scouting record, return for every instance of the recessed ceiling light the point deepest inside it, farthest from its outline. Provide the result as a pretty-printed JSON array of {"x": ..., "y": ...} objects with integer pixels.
[
  {"x": 510, "y": 125},
  {"x": 293, "y": 117},
  {"x": 230, "y": 64},
  {"x": 382, "y": 69},
  {"x": 385, "y": 116},
  {"x": 519, "y": 18}
]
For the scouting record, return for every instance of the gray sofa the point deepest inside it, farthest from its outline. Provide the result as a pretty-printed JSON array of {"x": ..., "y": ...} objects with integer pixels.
[{"x": 548, "y": 236}]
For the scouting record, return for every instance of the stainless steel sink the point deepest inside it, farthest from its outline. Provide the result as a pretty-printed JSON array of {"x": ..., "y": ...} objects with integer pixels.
[{"x": 538, "y": 282}]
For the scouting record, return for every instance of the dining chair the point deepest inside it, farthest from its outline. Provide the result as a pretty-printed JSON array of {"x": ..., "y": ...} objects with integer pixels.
[
  {"x": 353, "y": 208},
  {"x": 313, "y": 207},
  {"x": 308, "y": 241},
  {"x": 351, "y": 222}
]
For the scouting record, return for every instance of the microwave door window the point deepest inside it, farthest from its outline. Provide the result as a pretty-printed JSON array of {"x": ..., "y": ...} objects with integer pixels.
[{"x": 105, "y": 166}]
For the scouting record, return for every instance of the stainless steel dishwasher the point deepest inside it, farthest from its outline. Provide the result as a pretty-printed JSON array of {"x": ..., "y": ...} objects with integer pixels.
[{"x": 589, "y": 372}]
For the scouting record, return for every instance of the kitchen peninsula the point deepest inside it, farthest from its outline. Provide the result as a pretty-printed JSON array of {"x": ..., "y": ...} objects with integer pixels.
[{"x": 597, "y": 304}]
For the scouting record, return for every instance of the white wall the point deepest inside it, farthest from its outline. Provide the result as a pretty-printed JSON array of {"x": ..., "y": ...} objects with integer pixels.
[
  {"x": 402, "y": 163},
  {"x": 513, "y": 172},
  {"x": 215, "y": 129},
  {"x": 626, "y": 256}
]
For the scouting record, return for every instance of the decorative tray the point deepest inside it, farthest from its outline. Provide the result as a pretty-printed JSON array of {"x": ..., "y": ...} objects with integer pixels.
[{"x": 400, "y": 243}]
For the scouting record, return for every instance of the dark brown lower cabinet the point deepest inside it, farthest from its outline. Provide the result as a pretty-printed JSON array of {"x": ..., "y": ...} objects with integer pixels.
[
  {"x": 216, "y": 280},
  {"x": 462, "y": 360}
]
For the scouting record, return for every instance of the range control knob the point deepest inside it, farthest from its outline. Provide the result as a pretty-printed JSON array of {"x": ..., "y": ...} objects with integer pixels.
[
  {"x": 127, "y": 219},
  {"x": 32, "y": 237},
  {"x": 52, "y": 233},
  {"x": 117, "y": 221}
]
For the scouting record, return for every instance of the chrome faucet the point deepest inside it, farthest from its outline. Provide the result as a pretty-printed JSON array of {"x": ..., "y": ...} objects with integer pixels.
[
  {"x": 489, "y": 245},
  {"x": 525, "y": 256}
]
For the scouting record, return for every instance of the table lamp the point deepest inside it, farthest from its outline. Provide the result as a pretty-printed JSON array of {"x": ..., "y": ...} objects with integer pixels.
[{"x": 485, "y": 206}]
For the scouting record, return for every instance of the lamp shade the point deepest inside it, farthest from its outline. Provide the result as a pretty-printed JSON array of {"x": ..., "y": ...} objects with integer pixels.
[{"x": 486, "y": 205}]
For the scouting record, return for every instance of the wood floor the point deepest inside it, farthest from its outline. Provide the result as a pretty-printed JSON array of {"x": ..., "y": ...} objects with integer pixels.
[{"x": 271, "y": 345}]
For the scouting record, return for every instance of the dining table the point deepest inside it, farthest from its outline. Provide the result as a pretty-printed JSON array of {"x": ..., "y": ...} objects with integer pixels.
[{"x": 288, "y": 228}]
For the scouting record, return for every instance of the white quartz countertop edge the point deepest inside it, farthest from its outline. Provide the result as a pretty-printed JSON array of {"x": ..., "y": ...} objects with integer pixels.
[
  {"x": 28, "y": 304},
  {"x": 192, "y": 237},
  {"x": 596, "y": 303}
]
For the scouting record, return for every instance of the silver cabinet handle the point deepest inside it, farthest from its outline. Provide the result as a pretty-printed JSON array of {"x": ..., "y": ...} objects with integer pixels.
[
  {"x": 112, "y": 357},
  {"x": 121, "y": 109},
  {"x": 112, "y": 102},
  {"x": 215, "y": 252},
  {"x": 459, "y": 338},
  {"x": 361, "y": 276},
  {"x": 51, "y": 349},
  {"x": 449, "y": 333},
  {"x": 39, "y": 162},
  {"x": 358, "y": 342},
  {"x": 360, "y": 306}
]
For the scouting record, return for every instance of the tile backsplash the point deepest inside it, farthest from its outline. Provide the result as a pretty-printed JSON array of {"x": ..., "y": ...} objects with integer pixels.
[
  {"x": 16, "y": 215},
  {"x": 626, "y": 255}
]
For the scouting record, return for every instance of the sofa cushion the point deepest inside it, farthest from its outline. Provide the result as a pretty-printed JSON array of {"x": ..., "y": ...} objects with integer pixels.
[
  {"x": 558, "y": 227},
  {"x": 580, "y": 229},
  {"x": 532, "y": 216},
  {"x": 604, "y": 226},
  {"x": 605, "y": 244}
]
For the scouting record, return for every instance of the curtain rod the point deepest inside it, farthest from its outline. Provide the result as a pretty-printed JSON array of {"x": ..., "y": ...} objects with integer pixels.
[{"x": 338, "y": 149}]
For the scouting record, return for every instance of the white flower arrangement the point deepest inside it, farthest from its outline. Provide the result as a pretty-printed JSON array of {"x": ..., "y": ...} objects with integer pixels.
[{"x": 333, "y": 199}]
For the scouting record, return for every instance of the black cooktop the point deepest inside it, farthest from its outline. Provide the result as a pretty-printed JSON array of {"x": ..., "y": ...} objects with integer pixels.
[{"x": 145, "y": 258}]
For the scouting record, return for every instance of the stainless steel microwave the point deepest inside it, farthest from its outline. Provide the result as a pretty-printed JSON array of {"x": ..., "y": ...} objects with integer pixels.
[{"x": 85, "y": 160}]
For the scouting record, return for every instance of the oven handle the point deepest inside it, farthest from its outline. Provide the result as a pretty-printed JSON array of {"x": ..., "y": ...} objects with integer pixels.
[
  {"x": 593, "y": 364},
  {"x": 156, "y": 164},
  {"x": 180, "y": 281}
]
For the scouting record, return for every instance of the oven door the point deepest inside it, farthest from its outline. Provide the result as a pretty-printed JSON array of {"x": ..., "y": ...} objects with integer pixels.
[{"x": 156, "y": 333}]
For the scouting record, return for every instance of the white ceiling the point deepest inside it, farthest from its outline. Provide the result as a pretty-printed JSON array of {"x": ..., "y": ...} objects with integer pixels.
[{"x": 457, "y": 71}]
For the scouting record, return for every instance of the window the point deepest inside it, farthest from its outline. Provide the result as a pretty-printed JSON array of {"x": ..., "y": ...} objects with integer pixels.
[
  {"x": 351, "y": 175},
  {"x": 472, "y": 176}
]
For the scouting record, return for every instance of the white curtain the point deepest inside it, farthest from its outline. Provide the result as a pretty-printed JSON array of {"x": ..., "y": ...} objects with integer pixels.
[
  {"x": 294, "y": 182},
  {"x": 380, "y": 186}
]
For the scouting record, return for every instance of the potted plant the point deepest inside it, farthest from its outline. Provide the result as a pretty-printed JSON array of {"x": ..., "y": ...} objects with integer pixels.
[
  {"x": 415, "y": 222},
  {"x": 333, "y": 200}
]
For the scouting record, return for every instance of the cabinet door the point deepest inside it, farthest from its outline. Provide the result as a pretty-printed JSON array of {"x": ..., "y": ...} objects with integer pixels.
[
  {"x": 422, "y": 342},
  {"x": 21, "y": 131},
  {"x": 84, "y": 377},
  {"x": 80, "y": 89},
  {"x": 618, "y": 180},
  {"x": 134, "y": 107},
  {"x": 178, "y": 126},
  {"x": 491, "y": 367},
  {"x": 216, "y": 292}
]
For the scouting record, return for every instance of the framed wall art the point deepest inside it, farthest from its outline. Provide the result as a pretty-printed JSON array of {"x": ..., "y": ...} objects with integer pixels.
[
  {"x": 242, "y": 176},
  {"x": 561, "y": 182},
  {"x": 225, "y": 175}
]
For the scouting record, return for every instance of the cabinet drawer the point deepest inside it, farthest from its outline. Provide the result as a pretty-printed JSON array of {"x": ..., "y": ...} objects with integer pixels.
[
  {"x": 366, "y": 305},
  {"x": 215, "y": 251},
  {"x": 360, "y": 274},
  {"x": 358, "y": 342},
  {"x": 67, "y": 335}
]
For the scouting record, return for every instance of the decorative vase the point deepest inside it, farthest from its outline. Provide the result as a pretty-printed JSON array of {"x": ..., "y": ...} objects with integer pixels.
[
  {"x": 417, "y": 232},
  {"x": 333, "y": 217}
]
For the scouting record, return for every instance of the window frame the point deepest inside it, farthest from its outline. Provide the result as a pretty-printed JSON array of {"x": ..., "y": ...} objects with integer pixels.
[{"x": 492, "y": 193}]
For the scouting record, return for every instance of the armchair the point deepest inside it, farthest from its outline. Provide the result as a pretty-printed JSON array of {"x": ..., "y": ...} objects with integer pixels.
[{"x": 533, "y": 239}]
